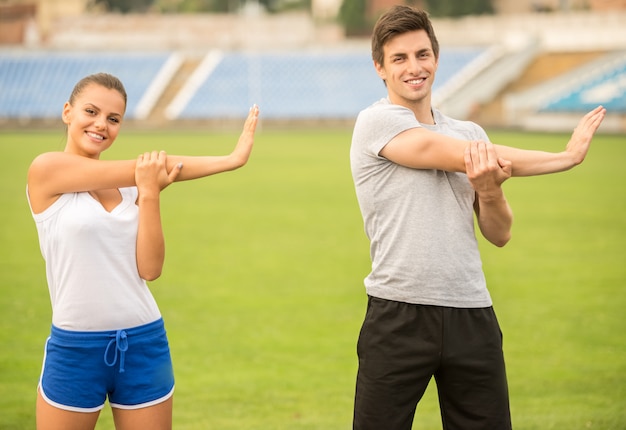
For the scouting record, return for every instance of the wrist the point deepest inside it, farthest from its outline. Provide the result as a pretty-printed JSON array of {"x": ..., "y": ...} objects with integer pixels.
[
  {"x": 148, "y": 196},
  {"x": 492, "y": 196},
  {"x": 571, "y": 159}
]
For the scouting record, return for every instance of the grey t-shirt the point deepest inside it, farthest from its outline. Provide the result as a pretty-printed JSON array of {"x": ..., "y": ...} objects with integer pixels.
[{"x": 420, "y": 222}]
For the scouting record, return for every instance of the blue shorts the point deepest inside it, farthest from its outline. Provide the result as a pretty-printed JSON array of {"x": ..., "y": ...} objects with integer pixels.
[{"x": 132, "y": 367}]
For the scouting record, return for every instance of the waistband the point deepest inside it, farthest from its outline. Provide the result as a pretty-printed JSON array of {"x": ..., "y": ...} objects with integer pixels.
[{"x": 116, "y": 340}]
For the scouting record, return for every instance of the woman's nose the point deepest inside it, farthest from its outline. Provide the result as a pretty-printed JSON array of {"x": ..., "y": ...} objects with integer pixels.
[{"x": 100, "y": 122}]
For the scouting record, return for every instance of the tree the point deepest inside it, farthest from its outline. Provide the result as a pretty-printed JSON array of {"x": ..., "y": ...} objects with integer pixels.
[
  {"x": 459, "y": 7},
  {"x": 125, "y": 6},
  {"x": 352, "y": 14}
]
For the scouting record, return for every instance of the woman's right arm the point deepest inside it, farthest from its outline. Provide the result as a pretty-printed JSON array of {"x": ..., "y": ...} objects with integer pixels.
[
  {"x": 54, "y": 173},
  {"x": 200, "y": 167}
]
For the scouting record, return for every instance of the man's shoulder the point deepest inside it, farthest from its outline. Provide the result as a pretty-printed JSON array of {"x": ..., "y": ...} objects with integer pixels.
[
  {"x": 382, "y": 105},
  {"x": 458, "y": 125},
  {"x": 384, "y": 110}
]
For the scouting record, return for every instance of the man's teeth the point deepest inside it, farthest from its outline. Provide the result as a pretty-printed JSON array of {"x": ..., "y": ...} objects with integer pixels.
[
  {"x": 95, "y": 136},
  {"x": 415, "y": 81}
]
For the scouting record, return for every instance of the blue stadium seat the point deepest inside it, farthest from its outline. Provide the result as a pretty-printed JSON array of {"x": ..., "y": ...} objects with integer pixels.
[
  {"x": 301, "y": 86},
  {"x": 36, "y": 85},
  {"x": 286, "y": 86},
  {"x": 606, "y": 87}
]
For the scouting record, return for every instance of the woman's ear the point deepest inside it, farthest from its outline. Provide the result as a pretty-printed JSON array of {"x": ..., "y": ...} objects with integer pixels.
[{"x": 67, "y": 108}]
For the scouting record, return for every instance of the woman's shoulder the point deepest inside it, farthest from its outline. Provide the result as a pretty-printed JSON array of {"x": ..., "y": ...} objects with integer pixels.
[{"x": 44, "y": 159}]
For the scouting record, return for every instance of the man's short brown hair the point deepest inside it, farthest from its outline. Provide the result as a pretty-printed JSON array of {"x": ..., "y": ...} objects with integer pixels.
[{"x": 398, "y": 20}]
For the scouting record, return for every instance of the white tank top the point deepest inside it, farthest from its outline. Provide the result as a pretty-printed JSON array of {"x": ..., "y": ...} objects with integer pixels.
[{"x": 91, "y": 264}]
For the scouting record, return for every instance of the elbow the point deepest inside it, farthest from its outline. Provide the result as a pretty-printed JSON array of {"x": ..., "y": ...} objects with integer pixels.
[
  {"x": 502, "y": 240},
  {"x": 151, "y": 274}
]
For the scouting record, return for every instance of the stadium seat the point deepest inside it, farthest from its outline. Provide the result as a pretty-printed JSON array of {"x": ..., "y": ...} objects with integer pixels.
[
  {"x": 35, "y": 85},
  {"x": 300, "y": 86},
  {"x": 604, "y": 87}
]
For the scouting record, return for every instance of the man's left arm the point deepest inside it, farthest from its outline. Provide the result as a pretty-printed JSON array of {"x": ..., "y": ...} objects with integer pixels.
[
  {"x": 486, "y": 172},
  {"x": 530, "y": 162}
]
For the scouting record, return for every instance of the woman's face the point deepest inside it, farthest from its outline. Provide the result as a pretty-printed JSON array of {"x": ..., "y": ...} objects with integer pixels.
[{"x": 93, "y": 120}]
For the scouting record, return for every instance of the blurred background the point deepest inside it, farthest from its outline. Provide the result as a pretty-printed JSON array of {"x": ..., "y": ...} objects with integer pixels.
[{"x": 524, "y": 64}]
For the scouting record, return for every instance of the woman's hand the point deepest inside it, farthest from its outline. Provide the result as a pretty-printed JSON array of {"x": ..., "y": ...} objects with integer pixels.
[
  {"x": 241, "y": 153},
  {"x": 151, "y": 175}
]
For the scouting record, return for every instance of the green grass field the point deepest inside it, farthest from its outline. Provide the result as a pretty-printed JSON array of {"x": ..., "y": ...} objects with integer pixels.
[{"x": 262, "y": 290}]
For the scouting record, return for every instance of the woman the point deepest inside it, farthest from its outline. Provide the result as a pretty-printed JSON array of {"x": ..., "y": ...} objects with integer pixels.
[{"x": 100, "y": 234}]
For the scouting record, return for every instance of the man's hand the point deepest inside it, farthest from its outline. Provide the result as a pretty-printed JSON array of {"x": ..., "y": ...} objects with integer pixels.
[
  {"x": 580, "y": 141},
  {"x": 485, "y": 170}
]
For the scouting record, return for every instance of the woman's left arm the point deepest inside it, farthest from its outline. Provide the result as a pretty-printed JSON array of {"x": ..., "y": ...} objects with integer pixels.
[{"x": 151, "y": 178}]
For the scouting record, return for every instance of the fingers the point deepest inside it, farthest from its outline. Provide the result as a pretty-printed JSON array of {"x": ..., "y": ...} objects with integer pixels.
[
  {"x": 506, "y": 166},
  {"x": 175, "y": 171},
  {"x": 153, "y": 156},
  {"x": 156, "y": 157},
  {"x": 484, "y": 168},
  {"x": 593, "y": 119},
  {"x": 480, "y": 155},
  {"x": 151, "y": 171},
  {"x": 597, "y": 117},
  {"x": 581, "y": 138},
  {"x": 254, "y": 111},
  {"x": 252, "y": 120},
  {"x": 504, "y": 163},
  {"x": 469, "y": 165}
]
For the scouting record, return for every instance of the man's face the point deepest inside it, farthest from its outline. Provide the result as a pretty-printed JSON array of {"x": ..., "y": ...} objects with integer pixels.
[{"x": 409, "y": 68}]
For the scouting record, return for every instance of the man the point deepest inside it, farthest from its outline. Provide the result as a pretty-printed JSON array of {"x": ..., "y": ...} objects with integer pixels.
[{"x": 420, "y": 177}]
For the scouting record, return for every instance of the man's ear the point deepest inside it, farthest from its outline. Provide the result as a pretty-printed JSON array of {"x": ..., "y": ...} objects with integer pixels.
[{"x": 380, "y": 70}]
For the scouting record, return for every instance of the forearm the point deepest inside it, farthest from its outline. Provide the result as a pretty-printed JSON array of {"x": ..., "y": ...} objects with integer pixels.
[
  {"x": 199, "y": 167},
  {"x": 530, "y": 162},
  {"x": 495, "y": 217},
  {"x": 202, "y": 166},
  {"x": 150, "y": 240}
]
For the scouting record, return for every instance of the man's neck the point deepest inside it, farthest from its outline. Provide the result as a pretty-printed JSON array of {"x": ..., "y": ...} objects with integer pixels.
[
  {"x": 425, "y": 116},
  {"x": 421, "y": 109}
]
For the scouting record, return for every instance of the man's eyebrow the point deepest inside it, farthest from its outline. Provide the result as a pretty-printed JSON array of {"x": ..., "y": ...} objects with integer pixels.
[{"x": 404, "y": 54}]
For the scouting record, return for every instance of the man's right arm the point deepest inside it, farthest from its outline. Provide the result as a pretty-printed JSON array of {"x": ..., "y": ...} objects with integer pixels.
[{"x": 420, "y": 148}]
